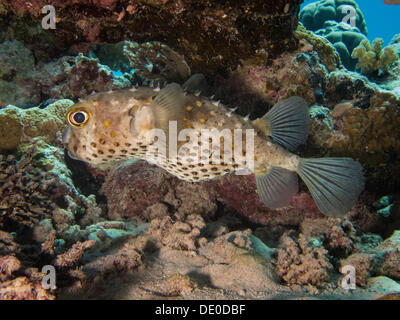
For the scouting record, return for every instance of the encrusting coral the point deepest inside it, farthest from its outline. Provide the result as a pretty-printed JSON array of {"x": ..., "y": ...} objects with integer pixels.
[{"x": 374, "y": 60}]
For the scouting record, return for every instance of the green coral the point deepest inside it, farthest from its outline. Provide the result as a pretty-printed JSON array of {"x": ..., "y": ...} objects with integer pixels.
[{"x": 374, "y": 60}]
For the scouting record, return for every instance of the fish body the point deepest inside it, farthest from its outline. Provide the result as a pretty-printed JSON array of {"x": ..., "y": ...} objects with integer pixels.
[{"x": 197, "y": 139}]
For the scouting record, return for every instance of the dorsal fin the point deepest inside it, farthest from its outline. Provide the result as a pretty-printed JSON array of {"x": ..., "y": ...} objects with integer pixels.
[
  {"x": 196, "y": 83},
  {"x": 169, "y": 105},
  {"x": 287, "y": 123}
]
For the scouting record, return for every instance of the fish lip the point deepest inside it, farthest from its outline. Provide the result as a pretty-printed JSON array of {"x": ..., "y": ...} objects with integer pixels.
[{"x": 65, "y": 136}]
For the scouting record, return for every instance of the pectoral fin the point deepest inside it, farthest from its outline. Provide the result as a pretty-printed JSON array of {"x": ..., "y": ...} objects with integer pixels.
[{"x": 169, "y": 105}]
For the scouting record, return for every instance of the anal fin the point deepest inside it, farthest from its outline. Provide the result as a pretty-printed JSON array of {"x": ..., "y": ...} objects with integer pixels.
[{"x": 277, "y": 187}]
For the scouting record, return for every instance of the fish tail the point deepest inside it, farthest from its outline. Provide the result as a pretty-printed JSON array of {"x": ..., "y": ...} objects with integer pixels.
[{"x": 334, "y": 183}]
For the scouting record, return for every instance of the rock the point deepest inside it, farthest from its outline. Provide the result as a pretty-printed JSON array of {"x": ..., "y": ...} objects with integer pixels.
[
  {"x": 383, "y": 286},
  {"x": 17, "y": 64}
]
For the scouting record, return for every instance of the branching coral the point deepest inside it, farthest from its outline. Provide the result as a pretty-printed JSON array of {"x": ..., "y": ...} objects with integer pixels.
[{"x": 374, "y": 60}]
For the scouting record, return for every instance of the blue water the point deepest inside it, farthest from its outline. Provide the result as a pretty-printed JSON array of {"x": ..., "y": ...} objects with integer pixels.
[{"x": 383, "y": 21}]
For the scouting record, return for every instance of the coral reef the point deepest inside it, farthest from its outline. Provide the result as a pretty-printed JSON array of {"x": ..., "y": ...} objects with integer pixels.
[
  {"x": 326, "y": 18},
  {"x": 134, "y": 231},
  {"x": 210, "y": 34},
  {"x": 374, "y": 60}
]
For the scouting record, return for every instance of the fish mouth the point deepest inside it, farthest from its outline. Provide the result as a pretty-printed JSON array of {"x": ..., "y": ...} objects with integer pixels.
[
  {"x": 65, "y": 136},
  {"x": 72, "y": 156}
]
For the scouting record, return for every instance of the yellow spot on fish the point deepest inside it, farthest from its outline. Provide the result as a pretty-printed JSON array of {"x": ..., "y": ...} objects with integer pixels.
[
  {"x": 202, "y": 120},
  {"x": 184, "y": 118},
  {"x": 188, "y": 108},
  {"x": 189, "y": 126},
  {"x": 149, "y": 99},
  {"x": 116, "y": 144},
  {"x": 93, "y": 144},
  {"x": 112, "y": 134},
  {"x": 198, "y": 103},
  {"x": 107, "y": 123},
  {"x": 102, "y": 141}
]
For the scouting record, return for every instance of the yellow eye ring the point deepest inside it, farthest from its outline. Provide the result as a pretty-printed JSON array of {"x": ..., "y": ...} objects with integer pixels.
[{"x": 78, "y": 118}]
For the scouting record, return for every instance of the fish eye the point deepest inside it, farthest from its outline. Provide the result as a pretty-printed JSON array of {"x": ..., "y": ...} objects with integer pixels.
[{"x": 78, "y": 118}]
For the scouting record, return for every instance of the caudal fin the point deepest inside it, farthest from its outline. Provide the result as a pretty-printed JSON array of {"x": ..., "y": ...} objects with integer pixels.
[{"x": 334, "y": 183}]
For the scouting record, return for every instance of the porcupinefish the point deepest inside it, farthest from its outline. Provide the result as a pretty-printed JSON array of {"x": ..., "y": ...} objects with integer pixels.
[{"x": 117, "y": 125}]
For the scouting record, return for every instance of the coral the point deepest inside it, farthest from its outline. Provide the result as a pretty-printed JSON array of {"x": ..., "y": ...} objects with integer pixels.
[
  {"x": 380, "y": 260},
  {"x": 344, "y": 38},
  {"x": 325, "y": 50},
  {"x": 364, "y": 119},
  {"x": 254, "y": 85},
  {"x": 209, "y": 34},
  {"x": 302, "y": 263},
  {"x": 75, "y": 77},
  {"x": 336, "y": 235},
  {"x": 395, "y": 43},
  {"x": 8, "y": 265},
  {"x": 315, "y": 14},
  {"x": 22, "y": 288},
  {"x": 24, "y": 84},
  {"x": 71, "y": 257},
  {"x": 179, "y": 235},
  {"x": 37, "y": 185},
  {"x": 18, "y": 126},
  {"x": 374, "y": 60}
]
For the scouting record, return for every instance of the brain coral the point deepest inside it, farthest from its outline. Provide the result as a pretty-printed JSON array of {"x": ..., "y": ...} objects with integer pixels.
[
  {"x": 314, "y": 15},
  {"x": 344, "y": 38}
]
